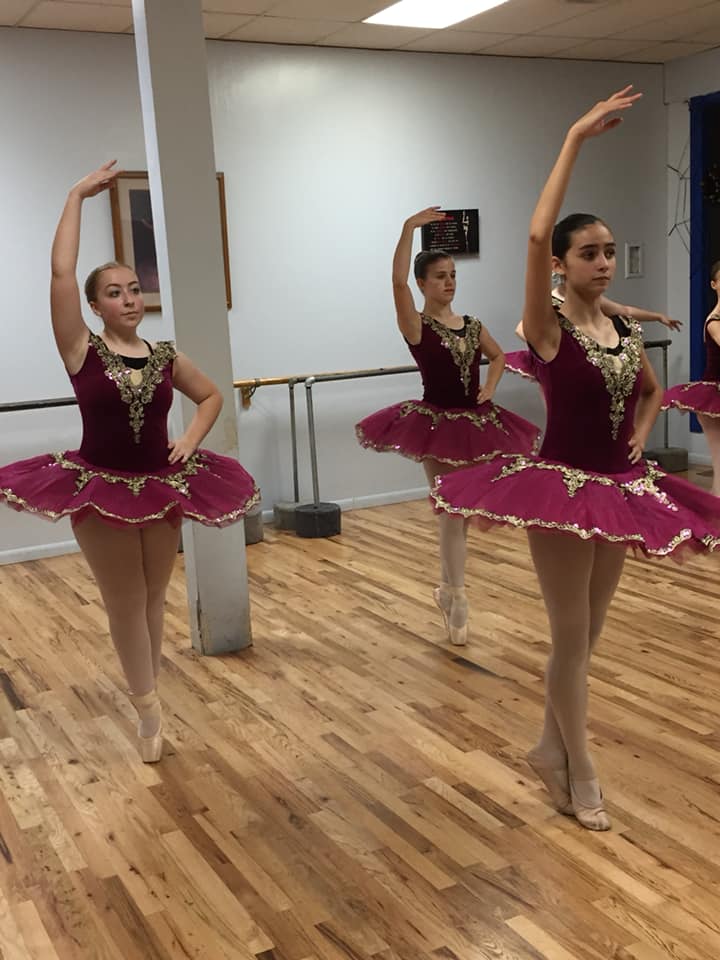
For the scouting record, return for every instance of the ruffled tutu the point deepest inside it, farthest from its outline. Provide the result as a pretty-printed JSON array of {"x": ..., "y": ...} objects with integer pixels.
[
  {"x": 209, "y": 488},
  {"x": 458, "y": 436},
  {"x": 644, "y": 508},
  {"x": 521, "y": 362},
  {"x": 703, "y": 396}
]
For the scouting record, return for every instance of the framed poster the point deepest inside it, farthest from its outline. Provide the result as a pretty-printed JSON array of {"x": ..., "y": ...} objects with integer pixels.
[
  {"x": 133, "y": 234},
  {"x": 458, "y": 233}
]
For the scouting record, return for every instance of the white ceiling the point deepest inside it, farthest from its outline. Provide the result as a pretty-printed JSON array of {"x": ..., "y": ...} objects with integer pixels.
[{"x": 642, "y": 31}]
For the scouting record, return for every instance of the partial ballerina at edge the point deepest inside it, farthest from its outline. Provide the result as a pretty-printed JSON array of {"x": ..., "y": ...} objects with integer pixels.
[{"x": 702, "y": 397}]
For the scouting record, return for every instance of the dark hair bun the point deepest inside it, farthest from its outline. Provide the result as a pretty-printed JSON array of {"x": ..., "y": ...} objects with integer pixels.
[
  {"x": 425, "y": 259},
  {"x": 564, "y": 229}
]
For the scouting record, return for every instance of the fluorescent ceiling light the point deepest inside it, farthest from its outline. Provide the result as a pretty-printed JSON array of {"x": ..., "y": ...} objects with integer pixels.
[{"x": 431, "y": 13}]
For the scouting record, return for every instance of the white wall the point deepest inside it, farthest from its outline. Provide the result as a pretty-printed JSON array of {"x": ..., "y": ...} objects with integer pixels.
[
  {"x": 325, "y": 152},
  {"x": 689, "y": 77}
]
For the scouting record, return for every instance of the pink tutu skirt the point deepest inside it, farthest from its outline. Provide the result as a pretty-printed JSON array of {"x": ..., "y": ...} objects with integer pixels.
[
  {"x": 521, "y": 362},
  {"x": 643, "y": 508},
  {"x": 703, "y": 396},
  {"x": 458, "y": 436},
  {"x": 209, "y": 488}
]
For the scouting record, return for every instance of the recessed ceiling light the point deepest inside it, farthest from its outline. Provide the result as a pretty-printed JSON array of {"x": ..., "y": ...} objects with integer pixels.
[{"x": 430, "y": 13}]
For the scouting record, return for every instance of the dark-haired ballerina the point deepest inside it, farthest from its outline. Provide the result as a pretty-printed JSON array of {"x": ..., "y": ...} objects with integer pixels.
[
  {"x": 127, "y": 488},
  {"x": 703, "y": 396},
  {"x": 521, "y": 361},
  {"x": 456, "y": 423},
  {"x": 588, "y": 495}
]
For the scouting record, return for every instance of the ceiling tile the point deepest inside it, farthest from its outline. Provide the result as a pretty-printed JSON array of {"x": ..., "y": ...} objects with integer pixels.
[
  {"x": 628, "y": 30},
  {"x": 603, "y": 49},
  {"x": 219, "y": 24},
  {"x": 663, "y": 52},
  {"x": 79, "y": 16},
  {"x": 682, "y": 24},
  {"x": 522, "y": 16},
  {"x": 457, "y": 41},
  {"x": 617, "y": 16},
  {"x": 372, "y": 36},
  {"x": 349, "y": 11},
  {"x": 13, "y": 10},
  {"x": 531, "y": 46},
  {"x": 250, "y": 7},
  {"x": 282, "y": 30}
]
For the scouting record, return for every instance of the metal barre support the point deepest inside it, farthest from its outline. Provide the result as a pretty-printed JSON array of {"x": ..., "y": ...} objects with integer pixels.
[
  {"x": 293, "y": 439},
  {"x": 313, "y": 444}
]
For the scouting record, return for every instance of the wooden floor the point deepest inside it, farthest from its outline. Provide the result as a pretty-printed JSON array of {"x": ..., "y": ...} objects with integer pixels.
[{"x": 351, "y": 787}]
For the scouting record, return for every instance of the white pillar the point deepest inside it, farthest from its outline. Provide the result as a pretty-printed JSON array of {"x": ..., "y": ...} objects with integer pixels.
[{"x": 172, "y": 67}]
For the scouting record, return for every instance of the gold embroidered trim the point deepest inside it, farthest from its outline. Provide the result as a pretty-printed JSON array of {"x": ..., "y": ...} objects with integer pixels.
[
  {"x": 479, "y": 420},
  {"x": 639, "y": 487},
  {"x": 393, "y": 448},
  {"x": 476, "y": 419},
  {"x": 462, "y": 349},
  {"x": 54, "y": 515},
  {"x": 631, "y": 539},
  {"x": 136, "y": 397},
  {"x": 620, "y": 371},
  {"x": 687, "y": 408},
  {"x": 226, "y": 518},
  {"x": 520, "y": 372},
  {"x": 702, "y": 383},
  {"x": 135, "y": 482},
  {"x": 575, "y": 479}
]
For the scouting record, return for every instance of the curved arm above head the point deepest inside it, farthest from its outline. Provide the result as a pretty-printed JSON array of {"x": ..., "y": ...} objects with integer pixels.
[
  {"x": 408, "y": 318},
  {"x": 539, "y": 320},
  {"x": 71, "y": 332}
]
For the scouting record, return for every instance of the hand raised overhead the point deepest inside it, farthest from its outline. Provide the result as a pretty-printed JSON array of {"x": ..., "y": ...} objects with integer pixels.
[
  {"x": 97, "y": 181},
  {"x": 604, "y": 115}
]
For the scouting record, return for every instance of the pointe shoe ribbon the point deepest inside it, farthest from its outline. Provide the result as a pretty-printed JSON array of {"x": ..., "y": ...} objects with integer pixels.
[
  {"x": 458, "y": 616},
  {"x": 443, "y": 599},
  {"x": 148, "y": 707},
  {"x": 592, "y": 816},
  {"x": 556, "y": 781}
]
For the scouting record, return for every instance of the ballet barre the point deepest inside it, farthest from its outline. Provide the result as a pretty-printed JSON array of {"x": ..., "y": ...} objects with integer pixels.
[
  {"x": 247, "y": 390},
  {"x": 249, "y": 386}
]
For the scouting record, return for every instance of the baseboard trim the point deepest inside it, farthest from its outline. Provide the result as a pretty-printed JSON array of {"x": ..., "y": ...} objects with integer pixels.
[{"x": 39, "y": 552}]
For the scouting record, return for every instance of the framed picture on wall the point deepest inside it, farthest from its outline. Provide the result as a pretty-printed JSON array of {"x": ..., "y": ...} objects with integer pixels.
[
  {"x": 459, "y": 232},
  {"x": 134, "y": 236}
]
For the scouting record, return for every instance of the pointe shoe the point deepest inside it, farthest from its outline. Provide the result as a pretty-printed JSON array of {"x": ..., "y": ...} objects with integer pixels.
[
  {"x": 457, "y": 618},
  {"x": 148, "y": 708},
  {"x": 591, "y": 815},
  {"x": 443, "y": 598},
  {"x": 556, "y": 781}
]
